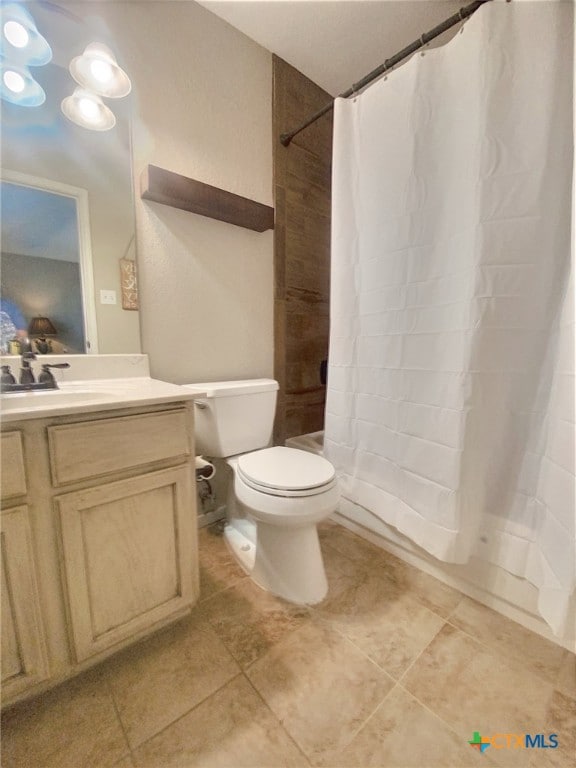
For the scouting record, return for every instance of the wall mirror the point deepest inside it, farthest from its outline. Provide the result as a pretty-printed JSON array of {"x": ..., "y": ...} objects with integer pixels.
[
  {"x": 68, "y": 228},
  {"x": 47, "y": 261}
]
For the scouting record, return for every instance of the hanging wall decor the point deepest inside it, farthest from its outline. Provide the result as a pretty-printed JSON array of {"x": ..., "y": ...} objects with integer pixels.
[{"x": 128, "y": 284}]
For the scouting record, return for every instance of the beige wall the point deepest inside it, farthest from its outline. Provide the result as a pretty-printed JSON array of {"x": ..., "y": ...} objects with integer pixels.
[{"x": 202, "y": 100}]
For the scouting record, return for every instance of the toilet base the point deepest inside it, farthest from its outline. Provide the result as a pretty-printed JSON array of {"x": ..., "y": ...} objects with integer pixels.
[
  {"x": 284, "y": 561},
  {"x": 240, "y": 536},
  {"x": 289, "y": 563}
]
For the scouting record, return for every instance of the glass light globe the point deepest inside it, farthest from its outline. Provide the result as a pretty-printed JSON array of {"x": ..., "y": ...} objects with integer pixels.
[
  {"x": 16, "y": 34},
  {"x": 88, "y": 108},
  {"x": 14, "y": 81},
  {"x": 97, "y": 70},
  {"x": 101, "y": 70}
]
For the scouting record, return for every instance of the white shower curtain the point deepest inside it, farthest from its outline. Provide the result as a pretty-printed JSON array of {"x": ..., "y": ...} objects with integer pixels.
[{"x": 451, "y": 390}]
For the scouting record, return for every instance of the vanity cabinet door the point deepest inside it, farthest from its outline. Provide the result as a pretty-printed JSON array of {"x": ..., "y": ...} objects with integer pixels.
[
  {"x": 12, "y": 465},
  {"x": 128, "y": 556},
  {"x": 24, "y": 660}
]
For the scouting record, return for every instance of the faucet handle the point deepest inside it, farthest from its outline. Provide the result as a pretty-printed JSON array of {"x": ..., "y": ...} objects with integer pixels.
[
  {"x": 46, "y": 376},
  {"x": 7, "y": 376}
]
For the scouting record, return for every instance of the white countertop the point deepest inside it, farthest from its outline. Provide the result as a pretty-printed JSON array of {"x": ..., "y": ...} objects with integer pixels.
[
  {"x": 90, "y": 395},
  {"x": 86, "y": 367}
]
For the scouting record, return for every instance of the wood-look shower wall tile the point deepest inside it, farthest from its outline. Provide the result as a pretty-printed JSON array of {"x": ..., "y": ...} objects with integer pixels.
[
  {"x": 302, "y": 300},
  {"x": 302, "y": 98},
  {"x": 308, "y": 239},
  {"x": 307, "y": 343},
  {"x": 309, "y": 195},
  {"x": 280, "y": 367},
  {"x": 279, "y": 243},
  {"x": 307, "y": 264},
  {"x": 309, "y": 166},
  {"x": 302, "y": 178},
  {"x": 308, "y": 233},
  {"x": 304, "y": 413},
  {"x": 308, "y": 274}
]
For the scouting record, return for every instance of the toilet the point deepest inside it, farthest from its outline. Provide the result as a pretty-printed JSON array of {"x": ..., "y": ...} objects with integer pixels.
[{"x": 278, "y": 494}]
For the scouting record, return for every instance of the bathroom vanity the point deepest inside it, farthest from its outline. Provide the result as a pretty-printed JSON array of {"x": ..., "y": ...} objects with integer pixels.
[{"x": 98, "y": 521}]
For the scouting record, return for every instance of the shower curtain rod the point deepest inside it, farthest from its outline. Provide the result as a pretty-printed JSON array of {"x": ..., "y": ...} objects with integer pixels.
[{"x": 423, "y": 40}]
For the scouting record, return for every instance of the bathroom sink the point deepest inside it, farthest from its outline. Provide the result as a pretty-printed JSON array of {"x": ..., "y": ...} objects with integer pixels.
[
  {"x": 20, "y": 401},
  {"x": 88, "y": 396}
]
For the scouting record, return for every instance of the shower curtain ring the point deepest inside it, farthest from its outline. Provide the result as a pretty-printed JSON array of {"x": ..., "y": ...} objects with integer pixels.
[{"x": 463, "y": 19}]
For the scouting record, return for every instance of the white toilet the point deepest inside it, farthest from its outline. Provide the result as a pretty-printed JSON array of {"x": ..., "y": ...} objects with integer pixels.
[{"x": 278, "y": 495}]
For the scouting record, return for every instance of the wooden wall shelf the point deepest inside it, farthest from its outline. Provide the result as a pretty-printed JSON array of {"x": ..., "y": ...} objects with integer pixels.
[{"x": 178, "y": 191}]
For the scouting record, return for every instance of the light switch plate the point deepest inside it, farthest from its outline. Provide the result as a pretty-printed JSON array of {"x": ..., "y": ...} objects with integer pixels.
[{"x": 107, "y": 297}]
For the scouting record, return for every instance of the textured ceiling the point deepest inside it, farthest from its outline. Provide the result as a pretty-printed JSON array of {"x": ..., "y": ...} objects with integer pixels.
[{"x": 335, "y": 42}]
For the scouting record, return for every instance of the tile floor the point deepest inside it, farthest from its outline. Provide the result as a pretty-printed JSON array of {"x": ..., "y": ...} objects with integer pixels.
[{"x": 393, "y": 669}]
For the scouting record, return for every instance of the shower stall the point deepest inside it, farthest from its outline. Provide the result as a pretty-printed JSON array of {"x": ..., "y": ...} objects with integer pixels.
[{"x": 450, "y": 402}]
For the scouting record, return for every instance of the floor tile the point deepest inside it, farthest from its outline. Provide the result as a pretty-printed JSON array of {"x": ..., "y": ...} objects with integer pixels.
[
  {"x": 231, "y": 728},
  {"x": 404, "y": 734},
  {"x": 160, "y": 679},
  {"x": 72, "y": 726},
  {"x": 340, "y": 570},
  {"x": 250, "y": 620},
  {"x": 126, "y": 762},
  {"x": 431, "y": 592},
  {"x": 512, "y": 640},
  {"x": 473, "y": 689},
  {"x": 385, "y": 622},
  {"x": 350, "y": 545},
  {"x": 325, "y": 678},
  {"x": 218, "y": 569},
  {"x": 325, "y": 525},
  {"x": 566, "y": 678},
  {"x": 561, "y": 721},
  {"x": 320, "y": 687}
]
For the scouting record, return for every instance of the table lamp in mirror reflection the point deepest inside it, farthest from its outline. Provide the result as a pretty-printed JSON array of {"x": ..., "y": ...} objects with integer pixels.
[{"x": 38, "y": 331}]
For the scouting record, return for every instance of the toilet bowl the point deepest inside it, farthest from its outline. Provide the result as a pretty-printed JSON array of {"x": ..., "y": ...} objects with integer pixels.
[
  {"x": 285, "y": 492},
  {"x": 278, "y": 494}
]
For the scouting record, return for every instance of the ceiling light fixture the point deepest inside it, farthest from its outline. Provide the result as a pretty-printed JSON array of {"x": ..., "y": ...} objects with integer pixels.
[
  {"x": 14, "y": 81},
  {"x": 87, "y": 110},
  {"x": 21, "y": 41},
  {"x": 19, "y": 87},
  {"x": 98, "y": 71},
  {"x": 16, "y": 34}
]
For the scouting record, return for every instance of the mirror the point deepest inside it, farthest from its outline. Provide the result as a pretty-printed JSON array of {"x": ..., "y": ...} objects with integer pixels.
[
  {"x": 46, "y": 265},
  {"x": 68, "y": 233}
]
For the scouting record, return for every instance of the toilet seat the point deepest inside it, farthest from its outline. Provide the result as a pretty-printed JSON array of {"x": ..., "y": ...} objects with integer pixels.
[
  {"x": 287, "y": 472},
  {"x": 304, "y": 493}
]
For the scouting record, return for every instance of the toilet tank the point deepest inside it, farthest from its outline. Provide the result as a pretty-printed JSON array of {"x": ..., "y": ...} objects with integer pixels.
[{"x": 234, "y": 416}]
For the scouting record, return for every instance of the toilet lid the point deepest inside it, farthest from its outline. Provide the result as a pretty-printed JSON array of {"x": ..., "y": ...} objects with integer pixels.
[{"x": 285, "y": 469}]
